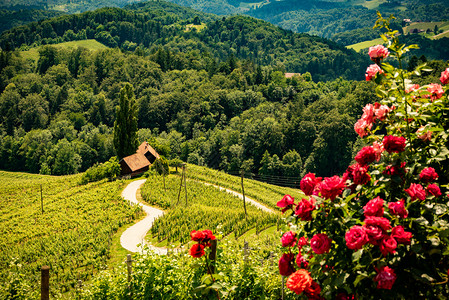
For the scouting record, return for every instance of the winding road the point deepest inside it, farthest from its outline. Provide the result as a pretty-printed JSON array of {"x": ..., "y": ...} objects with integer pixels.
[{"x": 133, "y": 239}]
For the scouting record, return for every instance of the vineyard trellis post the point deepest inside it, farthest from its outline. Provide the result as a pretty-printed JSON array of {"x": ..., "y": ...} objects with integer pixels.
[
  {"x": 42, "y": 201},
  {"x": 282, "y": 289},
  {"x": 245, "y": 252},
  {"x": 183, "y": 183},
  {"x": 243, "y": 193},
  {"x": 45, "y": 283},
  {"x": 129, "y": 264}
]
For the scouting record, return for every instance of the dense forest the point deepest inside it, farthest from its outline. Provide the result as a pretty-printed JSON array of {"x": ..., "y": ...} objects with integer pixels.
[
  {"x": 155, "y": 24},
  {"x": 13, "y": 18},
  {"x": 216, "y": 96}
]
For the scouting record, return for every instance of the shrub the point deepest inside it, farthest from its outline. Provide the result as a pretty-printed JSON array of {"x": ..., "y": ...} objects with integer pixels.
[
  {"x": 381, "y": 230},
  {"x": 109, "y": 169}
]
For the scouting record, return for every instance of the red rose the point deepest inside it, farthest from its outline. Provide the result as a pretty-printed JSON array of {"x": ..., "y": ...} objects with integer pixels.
[
  {"x": 398, "y": 208},
  {"x": 299, "y": 281},
  {"x": 332, "y": 187},
  {"x": 376, "y": 228},
  {"x": 302, "y": 242},
  {"x": 360, "y": 174},
  {"x": 394, "y": 143},
  {"x": 304, "y": 209},
  {"x": 385, "y": 278},
  {"x": 416, "y": 191},
  {"x": 308, "y": 183},
  {"x": 286, "y": 267},
  {"x": 197, "y": 236},
  {"x": 388, "y": 245},
  {"x": 365, "y": 156},
  {"x": 344, "y": 296},
  {"x": 286, "y": 203},
  {"x": 313, "y": 291},
  {"x": 288, "y": 239},
  {"x": 396, "y": 170},
  {"x": 428, "y": 175},
  {"x": 356, "y": 237},
  {"x": 301, "y": 262},
  {"x": 197, "y": 250},
  {"x": 433, "y": 189},
  {"x": 400, "y": 235},
  {"x": 374, "y": 207},
  {"x": 320, "y": 243}
]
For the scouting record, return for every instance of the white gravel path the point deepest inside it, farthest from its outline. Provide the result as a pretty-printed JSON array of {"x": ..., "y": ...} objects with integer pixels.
[
  {"x": 133, "y": 239},
  {"x": 249, "y": 200}
]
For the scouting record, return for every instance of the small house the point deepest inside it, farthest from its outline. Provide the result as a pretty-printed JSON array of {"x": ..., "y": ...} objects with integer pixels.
[{"x": 140, "y": 161}]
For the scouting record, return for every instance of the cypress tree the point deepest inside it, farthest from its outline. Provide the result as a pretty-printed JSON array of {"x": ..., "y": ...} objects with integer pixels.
[{"x": 125, "y": 125}]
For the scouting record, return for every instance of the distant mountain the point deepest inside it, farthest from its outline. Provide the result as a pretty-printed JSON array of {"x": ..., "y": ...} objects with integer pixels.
[
  {"x": 162, "y": 24},
  {"x": 13, "y": 18},
  {"x": 67, "y": 6}
]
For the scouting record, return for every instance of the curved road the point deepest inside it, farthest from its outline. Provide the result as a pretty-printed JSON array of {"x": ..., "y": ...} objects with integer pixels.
[{"x": 133, "y": 239}]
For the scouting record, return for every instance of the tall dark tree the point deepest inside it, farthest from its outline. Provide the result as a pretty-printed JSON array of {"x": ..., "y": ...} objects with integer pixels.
[{"x": 125, "y": 125}]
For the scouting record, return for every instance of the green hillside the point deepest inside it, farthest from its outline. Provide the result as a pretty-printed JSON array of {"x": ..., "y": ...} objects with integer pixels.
[{"x": 92, "y": 44}]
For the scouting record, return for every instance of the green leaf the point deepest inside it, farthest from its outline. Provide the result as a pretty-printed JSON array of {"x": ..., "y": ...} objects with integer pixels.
[
  {"x": 357, "y": 255},
  {"x": 359, "y": 278}
]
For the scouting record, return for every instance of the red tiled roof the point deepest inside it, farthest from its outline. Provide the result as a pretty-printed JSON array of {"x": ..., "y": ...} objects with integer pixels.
[{"x": 136, "y": 161}]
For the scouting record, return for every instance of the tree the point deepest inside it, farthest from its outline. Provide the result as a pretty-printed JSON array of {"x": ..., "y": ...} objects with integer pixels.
[{"x": 125, "y": 125}]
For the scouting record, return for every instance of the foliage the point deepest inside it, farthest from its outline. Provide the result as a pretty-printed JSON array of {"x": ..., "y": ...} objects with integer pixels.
[
  {"x": 125, "y": 125},
  {"x": 72, "y": 235},
  {"x": 381, "y": 229},
  {"x": 109, "y": 169}
]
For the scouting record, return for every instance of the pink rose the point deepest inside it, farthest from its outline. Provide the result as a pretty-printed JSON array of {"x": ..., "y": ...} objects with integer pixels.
[
  {"x": 436, "y": 91},
  {"x": 286, "y": 267},
  {"x": 394, "y": 143},
  {"x": 356, "y": 237},
  {"x": 444, "y": 76},
  {"x": 381, "y": 111},
  {"x": 428, "y": 175},
  {"x": 368, "y": 113},
  {"x": 372, "y": 71},
  {"x": 385, "y": 278},
  {"x": 378, "y": 52},
  {"x": 332, "y": 187},
  {"x": 374, "y": 207},
  {"x": 288, "y": 239},
  {"x": 308, "y": 183},
  {"x": 400, "y": 235},
  {"x": 320, "y": 243},
  {"x": 398, "y": 208},
  {"x": 304, "y": 209},
  {"x": 365, "y": 156},
  {"x": 286, "y": 203},
  {"x": 416, "y": 191},
  {"x": 362, "y": 127},
  {"x": 433, "y": 189},
  {"x": 412, "y": 88},
  {"x": 378, "y": 149}
]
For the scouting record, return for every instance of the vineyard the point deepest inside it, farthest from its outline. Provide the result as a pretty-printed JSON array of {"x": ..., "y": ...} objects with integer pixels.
[
  {"x": 72, "y": 234},
  {"x": 206, "y": 207},
  {"x": 265, "y": 193}
]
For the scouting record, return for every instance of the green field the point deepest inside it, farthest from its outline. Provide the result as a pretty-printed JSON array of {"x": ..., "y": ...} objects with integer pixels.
[
  {"x": 425, "y": 26},
  {"x": 88, "y": 44},
  {"x": 73, "y": 235},
  {"x": 366, "y": 44}
]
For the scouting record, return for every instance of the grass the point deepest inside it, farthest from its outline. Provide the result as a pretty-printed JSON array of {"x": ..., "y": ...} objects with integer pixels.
[
  {"x": 198, "y": 28},
  {"x": 366, "y": 44},
  {"x": 373, "y": 4},
  {"x": 424, "y": 26},
  {"x": 93, "y": 45}
]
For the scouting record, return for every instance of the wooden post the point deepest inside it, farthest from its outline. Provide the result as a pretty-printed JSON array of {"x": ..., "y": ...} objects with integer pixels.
[
  {"x": 42, "y": 201},
  {"x": 185, "y": 180},
  {"x": 213, "y": 255},
  {"x": 282, "y": 290},
  {"x": 243, "y": 192},
  {"x": 245, "y": 252},
  {"x": 129, "y": 264},
  {"x": 45, "y": 283}
]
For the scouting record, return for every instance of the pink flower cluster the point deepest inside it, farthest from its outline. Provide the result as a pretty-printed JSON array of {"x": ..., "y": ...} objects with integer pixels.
[
  {"x": 371, "y": 113},
  {"x": 378, "y": 53},
  {"x": 444, "y": 76}
]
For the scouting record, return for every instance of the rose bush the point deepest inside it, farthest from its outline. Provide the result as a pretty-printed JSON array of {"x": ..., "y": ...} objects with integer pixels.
[{"x": 381, "y": 230}]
